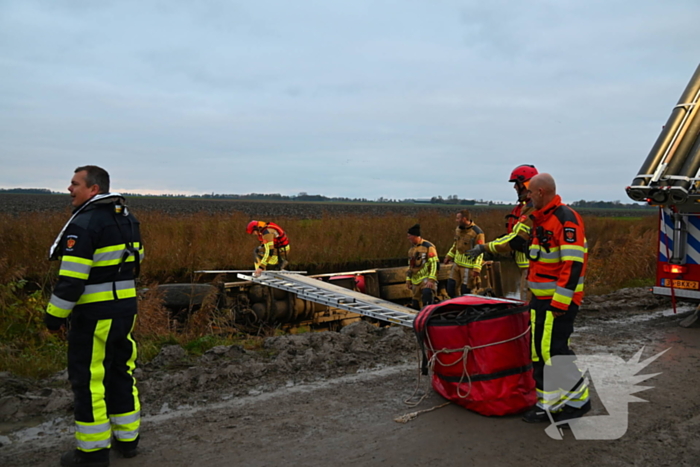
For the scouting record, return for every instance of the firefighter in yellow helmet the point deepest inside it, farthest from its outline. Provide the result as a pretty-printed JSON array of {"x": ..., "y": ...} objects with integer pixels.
[
  {"x": 466, "y": 271},
  {"x": 274, "y": 246},
  {"x": 421, "y": 276}
]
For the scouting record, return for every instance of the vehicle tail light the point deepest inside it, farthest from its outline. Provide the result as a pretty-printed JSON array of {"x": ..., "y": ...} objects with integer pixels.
[{"x": 675, "y": 268}]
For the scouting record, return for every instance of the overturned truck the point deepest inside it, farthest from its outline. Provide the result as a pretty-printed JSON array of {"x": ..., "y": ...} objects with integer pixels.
[{"x": 252, "y": 304}]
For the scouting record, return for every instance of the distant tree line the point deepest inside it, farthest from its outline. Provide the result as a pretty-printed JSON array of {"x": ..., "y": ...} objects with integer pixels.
[
  {"x": 304, "y": 196},
  {"x": 609, "y": 205},
  {"x": 28, "y": 191}
]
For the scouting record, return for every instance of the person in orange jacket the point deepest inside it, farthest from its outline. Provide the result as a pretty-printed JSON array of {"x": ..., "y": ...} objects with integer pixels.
[
  {"x": 558, "y": 254},
  {"x": 274, "y": 246}
]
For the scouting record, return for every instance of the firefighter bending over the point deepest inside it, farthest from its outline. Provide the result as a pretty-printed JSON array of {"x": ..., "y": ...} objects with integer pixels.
[
  {"x": 466, "y": 270},
  {"x": 421, "y": 276},
  {"x": 518, "y": 225},
  {"x": 273, "y": 251},
  {"x": 558, "y": 255}
]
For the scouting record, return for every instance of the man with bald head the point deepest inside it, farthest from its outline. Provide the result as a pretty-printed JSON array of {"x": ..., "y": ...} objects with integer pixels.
[{"x": 558, "y": 254}]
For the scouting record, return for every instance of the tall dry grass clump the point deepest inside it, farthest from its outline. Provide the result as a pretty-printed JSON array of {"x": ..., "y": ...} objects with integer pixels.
[{"x": 622, "y": 253}]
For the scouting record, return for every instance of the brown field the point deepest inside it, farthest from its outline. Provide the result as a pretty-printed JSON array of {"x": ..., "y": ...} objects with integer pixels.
[{"x": 185, "y": 235}]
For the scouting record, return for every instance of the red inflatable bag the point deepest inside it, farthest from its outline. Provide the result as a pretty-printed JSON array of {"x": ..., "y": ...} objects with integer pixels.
[{"x": 478, "y": 349}]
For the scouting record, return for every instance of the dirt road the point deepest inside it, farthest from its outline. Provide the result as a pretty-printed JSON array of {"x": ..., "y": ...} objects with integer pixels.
[{"x": 331, "y": 399}]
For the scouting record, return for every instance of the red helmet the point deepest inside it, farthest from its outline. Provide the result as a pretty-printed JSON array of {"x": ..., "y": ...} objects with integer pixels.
[
  {"x": 251, "y": 226},
  {"x": 523, "y": 173}
]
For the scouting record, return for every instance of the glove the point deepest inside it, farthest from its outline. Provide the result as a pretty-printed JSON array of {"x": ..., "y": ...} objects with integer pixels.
[
  {"x": 53, "y": 323},
  {"x": 476, "y": 251}
]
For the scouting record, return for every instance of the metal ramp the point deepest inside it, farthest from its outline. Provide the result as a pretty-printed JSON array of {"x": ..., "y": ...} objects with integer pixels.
[{"x": 318, "y": 291}]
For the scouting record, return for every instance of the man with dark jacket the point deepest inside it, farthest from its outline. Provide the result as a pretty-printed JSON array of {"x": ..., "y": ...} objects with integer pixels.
[{"x": 95, "y": 297}]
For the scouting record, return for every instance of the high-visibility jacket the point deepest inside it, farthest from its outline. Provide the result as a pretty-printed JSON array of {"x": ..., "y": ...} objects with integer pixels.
[
  {"x": 558, "y": 255},
  {"x": 272, "y": 237},
  {"x": 98, "y": 250},
  {"x": 467, "y": 238},
  {"x": 516, "y": 240},
  {"x": 422, "y": 263}
]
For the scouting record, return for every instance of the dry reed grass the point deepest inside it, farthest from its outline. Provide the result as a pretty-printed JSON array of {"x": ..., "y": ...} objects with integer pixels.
[{"x": 621, "y": 250}]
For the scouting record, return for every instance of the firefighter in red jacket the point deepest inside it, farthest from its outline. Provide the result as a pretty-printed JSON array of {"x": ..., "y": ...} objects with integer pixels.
[
  {"x": 558, "y": 254},
  {"x": 518, "y": 225},
  {"x": 274, "y": 246}
]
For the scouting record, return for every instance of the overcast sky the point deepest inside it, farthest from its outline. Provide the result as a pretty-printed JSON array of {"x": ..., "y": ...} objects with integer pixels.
[{"x": 362, "y": 98}]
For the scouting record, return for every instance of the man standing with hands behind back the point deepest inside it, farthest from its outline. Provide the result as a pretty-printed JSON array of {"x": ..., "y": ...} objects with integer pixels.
[{"x": 95, "y": 297}]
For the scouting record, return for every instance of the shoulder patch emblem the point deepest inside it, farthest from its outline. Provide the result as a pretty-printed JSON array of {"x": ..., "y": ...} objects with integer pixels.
[
  {"x": 71, "y": 241},
  {"x": 569, "y": 234}
]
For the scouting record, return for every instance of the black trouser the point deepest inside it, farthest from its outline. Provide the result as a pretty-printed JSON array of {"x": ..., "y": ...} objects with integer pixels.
[
  {"x": 558, "y": 380},
  {"x": 101, "y": 360},
  {"x": 451, "y": 288},
  {"x": 427, "y": 297}
]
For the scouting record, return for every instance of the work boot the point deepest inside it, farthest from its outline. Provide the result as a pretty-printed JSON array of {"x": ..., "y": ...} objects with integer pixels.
[
  {"x": 283, "y": 264},
  {"x": 569, "y": 413},
  {"x": 126, "y": 448},
  {"x": 85, "y": 459},
  {"x": 536, "y": 414}
]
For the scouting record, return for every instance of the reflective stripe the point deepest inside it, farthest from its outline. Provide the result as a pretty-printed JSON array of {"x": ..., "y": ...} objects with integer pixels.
[
  {"x": 112, "y": 255},
  {"x": 97, "y": 369},
  {"x": 428, "y": 271},
  {"x": 93, "y": 436},
  {"x": 521, "y": 260},
  {"x": 92, "y": 428},
  {"x": 126, "y": 427},
  {"x": 520, "y": 227},
  {"x": 542, "y": 289},
  {"x": 89, "y": 446},
  {"x": 104, "y": 292},
  {"x": 535, "y": 357},
  {"x": 125, "y": 436},
  {"x": 461, "y": 259},
  {"x": 565, "y": 296},
  {"x": 546, "y": 343},
  {"x": 59, "y": 307},
  {"x": 545, "y": 404},
  {"x": 573, "y": 253},
  {"x": 73, "y": 266},
  {"x": 125, "y": 419},
  {"x": 551, "y": 256}
]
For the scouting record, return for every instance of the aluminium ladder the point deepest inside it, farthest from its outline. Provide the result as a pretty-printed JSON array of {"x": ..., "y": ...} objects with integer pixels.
[
  {"x": 314, "y": 290},
  {"x": 318, "y": 291}
]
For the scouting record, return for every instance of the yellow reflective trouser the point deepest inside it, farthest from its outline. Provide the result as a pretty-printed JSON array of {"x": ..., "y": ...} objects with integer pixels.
[
  {"x": 101, "y": 361},
  {"x": 558, "y": 380}
]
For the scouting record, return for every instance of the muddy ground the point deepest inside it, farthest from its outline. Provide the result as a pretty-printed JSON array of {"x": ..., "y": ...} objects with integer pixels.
[{"x": 331, "y": 398}]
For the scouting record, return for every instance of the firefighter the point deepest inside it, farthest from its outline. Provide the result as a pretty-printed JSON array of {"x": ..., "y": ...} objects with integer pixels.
[
  {"x": 518, "y": 225},
  {"x": 466, "y": 270},
  {"x": 558, "y": 254},
  {"x": 95, "y": 298},
  {"x": 274, "y": 246},
  {"x": 421, "y": 276}
]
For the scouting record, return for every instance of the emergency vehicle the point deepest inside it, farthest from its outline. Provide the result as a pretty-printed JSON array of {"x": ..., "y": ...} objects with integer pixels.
[{"x": 670, "y": 179}]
